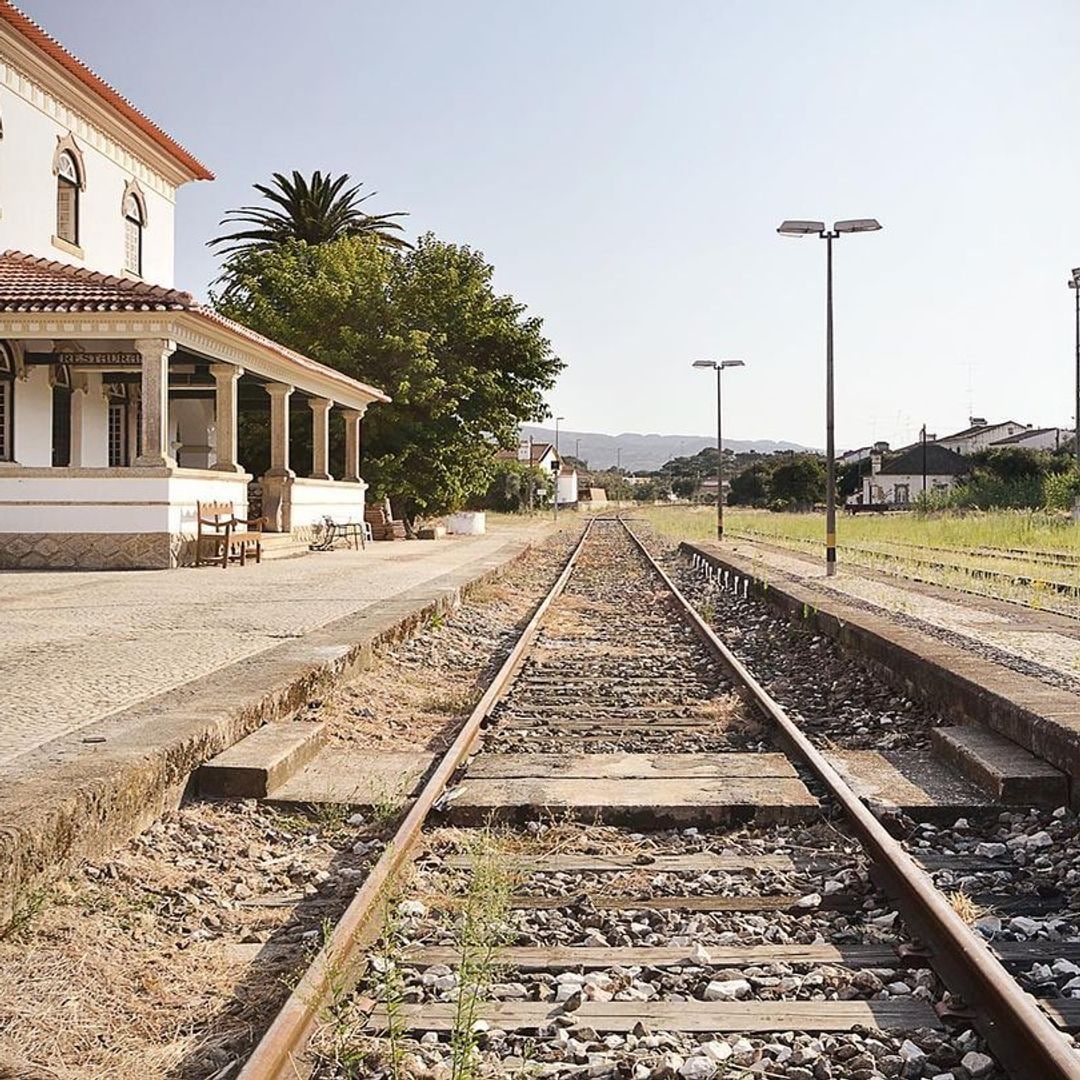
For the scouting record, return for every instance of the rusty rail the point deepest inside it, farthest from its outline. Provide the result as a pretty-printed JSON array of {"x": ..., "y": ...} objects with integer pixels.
[
  {"x": 1022, "y": 1037},
  {"x": 279, "y": 1054}
]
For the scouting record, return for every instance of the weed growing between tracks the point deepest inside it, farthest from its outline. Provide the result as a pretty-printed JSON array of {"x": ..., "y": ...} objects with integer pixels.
[{"x": 483, "y": 928}]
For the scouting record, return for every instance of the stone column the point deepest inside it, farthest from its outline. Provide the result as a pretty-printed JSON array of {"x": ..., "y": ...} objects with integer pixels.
[
  {"x": 320, "y": 437},
  {"x": 226, "y": 376},
  {"x": 279, "y": 429},
  {"x": 352, "y": 443},
  {"x": 155, "y": 353}
]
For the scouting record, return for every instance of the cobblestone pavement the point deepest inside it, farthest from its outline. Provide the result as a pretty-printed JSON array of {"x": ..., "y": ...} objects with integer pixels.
[
  {"x": 75, "y": 647},
  {"x": 1036, "y": 639}
]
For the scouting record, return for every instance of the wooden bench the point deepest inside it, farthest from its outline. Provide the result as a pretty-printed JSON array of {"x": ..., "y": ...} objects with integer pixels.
[{"x": 232, "y": 537}]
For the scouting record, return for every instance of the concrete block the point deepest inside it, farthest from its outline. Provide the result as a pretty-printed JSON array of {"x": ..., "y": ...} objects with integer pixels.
[
  {"x": 254, "y": 767},
  {"x": 1000, "y": 767}
]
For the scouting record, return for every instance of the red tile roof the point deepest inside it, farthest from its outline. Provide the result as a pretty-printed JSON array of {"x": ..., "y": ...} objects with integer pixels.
[
  {"x": 46, "y": 43},
  {"x": 30, "y": 284}
]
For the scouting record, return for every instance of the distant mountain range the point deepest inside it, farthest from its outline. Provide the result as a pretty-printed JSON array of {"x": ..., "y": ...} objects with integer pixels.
[{"x": 642, "y": 452}]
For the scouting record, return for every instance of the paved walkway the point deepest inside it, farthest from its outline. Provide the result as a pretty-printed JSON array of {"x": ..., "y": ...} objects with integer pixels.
[
  {"x": 1048, "y": 641},
  {"x": 76, "y": 647}
]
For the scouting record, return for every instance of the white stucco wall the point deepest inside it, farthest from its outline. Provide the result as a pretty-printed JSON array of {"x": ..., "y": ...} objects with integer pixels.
[
  {"x": 312, "y": 500},
  {"x": 32, "y": 126},
  {"x": 1044, "y": 440},
  {"x": 881, "y": 488},
  {"x": 113, "y": 501},
  {"x": 90, "y": 424},
  {"x": 567, "y": 488},
  {"x": 32, "y": 426},
  {"x": 970, "y": 444}
]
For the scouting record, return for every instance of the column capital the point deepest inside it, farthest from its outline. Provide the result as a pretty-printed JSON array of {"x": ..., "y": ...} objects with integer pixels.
[
  {"x": 320, "y": 404},
  {"x": 155, "y": 346},
  {"x": 278, "y": 389},
  {"x": 225, "y": 372},
  {"x": 354, "y": 414}
]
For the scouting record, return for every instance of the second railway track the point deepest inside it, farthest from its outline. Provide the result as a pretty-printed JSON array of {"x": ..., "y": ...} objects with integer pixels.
[{"x": 632, "y": 863}]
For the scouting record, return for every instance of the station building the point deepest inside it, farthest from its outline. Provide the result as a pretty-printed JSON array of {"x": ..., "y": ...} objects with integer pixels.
[{"x": 120, "y": 394}]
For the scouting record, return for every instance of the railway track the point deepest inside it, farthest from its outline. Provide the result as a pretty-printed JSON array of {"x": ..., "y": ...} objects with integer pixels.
[
  {"x": 631, "y": 862},
  {"x": 921, "y": 563}
]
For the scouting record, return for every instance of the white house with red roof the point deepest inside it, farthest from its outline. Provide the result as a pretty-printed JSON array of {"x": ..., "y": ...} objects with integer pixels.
[{"x": 120, "y": 394}]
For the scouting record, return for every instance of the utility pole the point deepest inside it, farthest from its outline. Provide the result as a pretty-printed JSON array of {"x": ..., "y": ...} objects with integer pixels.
[
  {"x": 1074, "y": 284},
  {"x": 924, "y": 465},
  {"x": 558, "y": 465}
]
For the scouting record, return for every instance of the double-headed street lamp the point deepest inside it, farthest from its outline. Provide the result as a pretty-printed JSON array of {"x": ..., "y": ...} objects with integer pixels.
[
  {"x": 817, "y": 228},
  {"x": 719, "y": 366}
]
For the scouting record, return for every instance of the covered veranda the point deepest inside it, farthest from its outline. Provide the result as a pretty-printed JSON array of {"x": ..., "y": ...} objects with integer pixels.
[{"x": 120, "y": 409}]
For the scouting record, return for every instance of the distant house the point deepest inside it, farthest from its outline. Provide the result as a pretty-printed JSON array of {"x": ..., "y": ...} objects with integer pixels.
[
  {"x": 863, "y": 453},
  {"x": 567, "y": 486},
  {"x": 1048, "y": 438},
  {"x": 899, "y": 479},
  {"x": 543, "y": 455},
  {"x": 979, "y": 435}
]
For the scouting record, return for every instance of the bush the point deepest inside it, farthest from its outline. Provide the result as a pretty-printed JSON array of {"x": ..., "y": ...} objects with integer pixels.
[{"x": 1060, "y": 490}]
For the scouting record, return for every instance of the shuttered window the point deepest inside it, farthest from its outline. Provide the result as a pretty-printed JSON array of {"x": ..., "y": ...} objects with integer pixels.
[
  {"x": 134, "y": 220},
  {"x": 7, "y": 403},
  {"x": 67, "y": 199}
]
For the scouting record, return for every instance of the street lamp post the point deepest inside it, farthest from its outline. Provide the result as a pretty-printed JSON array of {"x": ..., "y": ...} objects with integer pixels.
[
  {"x": 817, "y": 228},
  {"x": 558, "y": 464},
  {"x": 718, "y": 366}
]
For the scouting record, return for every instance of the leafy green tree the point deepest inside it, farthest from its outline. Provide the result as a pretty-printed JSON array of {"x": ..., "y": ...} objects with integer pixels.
[
  {"x": 685, "y": 486},
  {"x": 465, "y": 366},
  {"x": 750, "y": 487},
  {"x": 514, "y": 487},
  {"x": 799, "y": 482},
  {"x": 315, "y": 211}
]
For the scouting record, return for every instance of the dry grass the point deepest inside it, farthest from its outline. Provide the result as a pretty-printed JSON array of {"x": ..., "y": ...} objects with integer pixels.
[
  {"x": 966, "y": 907},
  {"x": 114, "y": 980}
]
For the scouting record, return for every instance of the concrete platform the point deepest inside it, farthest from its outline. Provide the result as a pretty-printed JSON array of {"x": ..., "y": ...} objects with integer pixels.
[
  {"x": 912, "y": 781},
  {"x": 360, "y": 778},
  {"x": 959, "y": 683},
  {"x": 657, "y": 790},
  {"x": 1005, "y": 771},
  {"x": 256, "y": 765},
  {"x": 118, "y": 685}
]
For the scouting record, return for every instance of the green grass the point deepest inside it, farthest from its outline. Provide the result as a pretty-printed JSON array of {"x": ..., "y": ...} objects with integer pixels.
[
  {"x": 977, "y": 552},
  {"x": 1025, "y": 529}
]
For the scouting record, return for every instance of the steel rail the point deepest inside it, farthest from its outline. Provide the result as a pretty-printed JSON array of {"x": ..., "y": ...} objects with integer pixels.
[
  {"x": 1021, "y": 1036},
  {"x": 279, "y": 1053}
]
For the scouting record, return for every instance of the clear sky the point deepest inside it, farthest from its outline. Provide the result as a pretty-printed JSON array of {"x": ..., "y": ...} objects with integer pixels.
[{"x": 624, "y": 164}]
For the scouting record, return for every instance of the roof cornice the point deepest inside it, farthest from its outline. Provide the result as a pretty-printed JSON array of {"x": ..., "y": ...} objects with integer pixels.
[{"x": 43, "y": 60}]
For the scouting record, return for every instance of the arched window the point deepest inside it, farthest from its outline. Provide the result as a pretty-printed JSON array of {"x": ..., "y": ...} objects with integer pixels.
[
  {"x": 134, "y": 223},
  {"x": 7, "y": 403},
  {"x": 67, "y": 198}
]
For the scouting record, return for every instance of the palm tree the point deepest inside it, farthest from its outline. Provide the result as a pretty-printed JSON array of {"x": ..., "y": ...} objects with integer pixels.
[{"x": 314, "y": 211}]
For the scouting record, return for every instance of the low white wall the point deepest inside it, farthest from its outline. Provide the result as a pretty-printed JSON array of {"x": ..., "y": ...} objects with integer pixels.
[
  {"x": 187, "y": 487},
  {"x": 312, "y": 500},
  {"x": 112, "y": 500}
]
